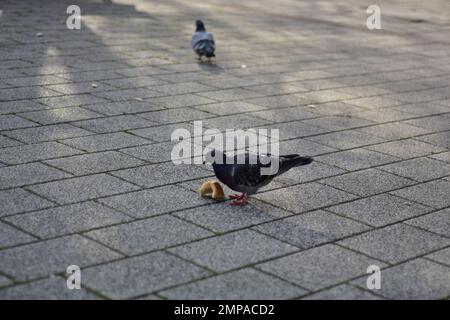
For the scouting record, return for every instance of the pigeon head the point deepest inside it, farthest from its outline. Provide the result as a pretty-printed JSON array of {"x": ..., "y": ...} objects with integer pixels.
[{"x": 200, "y": 26}]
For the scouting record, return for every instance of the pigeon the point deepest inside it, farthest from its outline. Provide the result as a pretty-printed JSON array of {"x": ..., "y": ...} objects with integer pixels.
[
  {"x": 203, "y": 41},
  {"x": 247, "y": 178}
]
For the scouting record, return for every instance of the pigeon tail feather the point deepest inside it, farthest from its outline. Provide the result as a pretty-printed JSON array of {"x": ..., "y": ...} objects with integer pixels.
[{"x": 293, "y": 160}]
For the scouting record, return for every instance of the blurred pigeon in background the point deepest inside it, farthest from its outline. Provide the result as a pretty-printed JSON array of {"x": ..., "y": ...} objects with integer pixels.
[
  {"x": 247, "y": 177},
  {"x": 203, "y": 41}
]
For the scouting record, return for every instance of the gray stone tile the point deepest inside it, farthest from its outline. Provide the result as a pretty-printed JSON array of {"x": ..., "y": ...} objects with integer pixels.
[
  {"x": 420, "y": 169},
  {"x": 47, "y": 257},
  {"x": 54, "y": 116},
  {"x": 422, "y": 109},
  {"x": 95, "y": 162},
  {"x": 113, "y": 124},
  {"x": 282, "y": 101},
  {"x": 128, "y": 83},
  {"x": 414, "y": 280},
  {"x": 157, "y": 152},
  {"x": 4, "y": 281},
  {"x": 7, "y": 142},
  {"x": 103, "y": 142},
  {"x": 303, "y": 147},
  {"x": 445, "y": 156},
  {"x": 178, "y": 101},
  {"x": 233, "y": 250},
  {"x": 433, "y": 194},
  {"x": 313, "y": 171},
  {"x": 53, "y": 288},
  {"x": 128, "y": 94},
  {"x": 376, "y": 102},
  {"x": 182, "y": 88},
  {"x": 71, "y": 100},
  {"x": 441, "y": 256},
  {"x": 406, "y": 149},
  {"x": 10, "y": 236},
  {"x": 393, "y": 131},
  {"x": 367, "y": 182},
  {"x": 47, "y": 133},
  {"x": 161, "y": 174},
  {"x": 242, "y": 284},
  {"x": 434, "y": 123},
  {"x": 320, "y": 267},
  {"x": 123, "y": 107},
  {"x": 20, "y": 106},
  {"x": 380, "y": 210},
  {"x": 26, "y": 93},
  {"x": 437, "y": 222},
  {"x": 175, "y": 115},
  {"x": 36, "y": 152},
  {"x": 439, "y": 139},
  {"x": 148, "y": 235},
  {"x": 26, "y": 174},
  {"x": 356, "y": 159},
  {"x": 67, "y": 219},
  {"x": 305, "y": 197},
  {"x": 161, "y": 133},
  {"x": 212, "y": 216},
  {"x": 234, "y": 122},
  {"x": 343, "y": 292},
  {"x": 348, "y": 139},
  {"x": 311, "y": 229},
  {"x": 286, "y": 114},
  {"x": 18, "y": 200},
  {"x": 82, "y": 188},
  {"x": 80, "y": 87},
  {"x": 230, "y": 94},
  {"x": 396, "y": 243},
  {"x": 151, "y": 202},
  {"x": 226, "y": 108},
  {"x": 334, "y": 123},
  {"x": 10, "y": 122},
  {"x": 141, "y": 275},
  {"x": 296, "y": 129}
]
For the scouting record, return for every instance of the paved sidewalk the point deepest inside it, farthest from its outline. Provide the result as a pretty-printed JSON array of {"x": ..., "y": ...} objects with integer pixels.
[{"x": 85, "y": 171}]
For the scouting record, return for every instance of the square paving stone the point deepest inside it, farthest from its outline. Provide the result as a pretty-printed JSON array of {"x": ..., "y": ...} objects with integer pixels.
[
  {"x": 230, "y": 94},
  {"x": 14, "y": 201},
  {"x": 123, "y": 107},
  {"x": 148, "y": 235},
  {"x": 76, "y": 100},
  {"x": 47, "y": 133},
  {"x": 233, "y": 250},
  {"x": 437, "y": 222},
  {"x": 128, "y": 83},
  {"x": 7, "y": 142},
  {"x": 423, "y": 109},
  {"x": 434, "y": 123},
  {"x": 53, "y": 288},
  {"x": 335, "y": 123},
  {"x": 356, "y": 159},
  {"x": 439, "y": 139},
  {"x": 396, "y": 243},
  {"x": 54, "y": 116},
  {"x": 141, "y": 275},
  {"x": 380, "y": 210},
  {"x": 348, "y": 139},
  {"x": 282, "y": 101},
  {"x": 154, "y": 153},
  {"x": 313, "y": 171},
  {"x": 311, "y": 229},
  {"x": 305, "y": 197},
  {"x": 67, "y": 219},
  {"x": 128, "y": 94},
  {"x": 113, "y": 124},
  {"x": 343, "y": 292},
  {"x": 285, "y": 114},
  {"x": 175, "y": 115},
  {"x": 155, "y": 201},
  {"x": 4, "y": 281},
  {"x": 433, "y": 194},
  {"x": 95, "y": 162},
  {"x": 442, "y": 156},
  {"x": 10, "y": 236},
  {"x": 178, "y": 101},
  {"x": 103, "y": 142},
  {"x": 421, "y": 169},
  {"x": 234, "y": 122},
  {"x": 182, "y": 88},
  {"x": 162, "y": 133},
  {"x": 9, "y": 122},
  {"x": 82, "y": 188},
  {"x": 26, "y": 174},
  {"x": 394, "y": 131},
  {"x": 161, "y": 174},
  {"x": 223, "y": 217},
  {"x": 36, "y": 152},
  {"x": 406, "y": 149},
  {"x": 242, "y": 284},
  {"x": 226, "y": 108},
  {"x": 367, "y": 182},
  {"x": 295, "y": 129},
  {"x": 303, "y": 147},
  {"x": 441, "y": 256},
  {"x": 414, "y": 280},
  {"x": 51, "y": 256},
  {"x": 320, "y": 267}
]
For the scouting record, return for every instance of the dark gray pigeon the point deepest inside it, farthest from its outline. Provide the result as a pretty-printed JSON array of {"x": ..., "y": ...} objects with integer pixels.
[
  {"x": 203, "y": 41},
  {"x": 247, "y": 177}
]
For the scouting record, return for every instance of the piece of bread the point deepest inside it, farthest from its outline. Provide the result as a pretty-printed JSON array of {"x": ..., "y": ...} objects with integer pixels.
[{"x": 212, "y": 189}]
